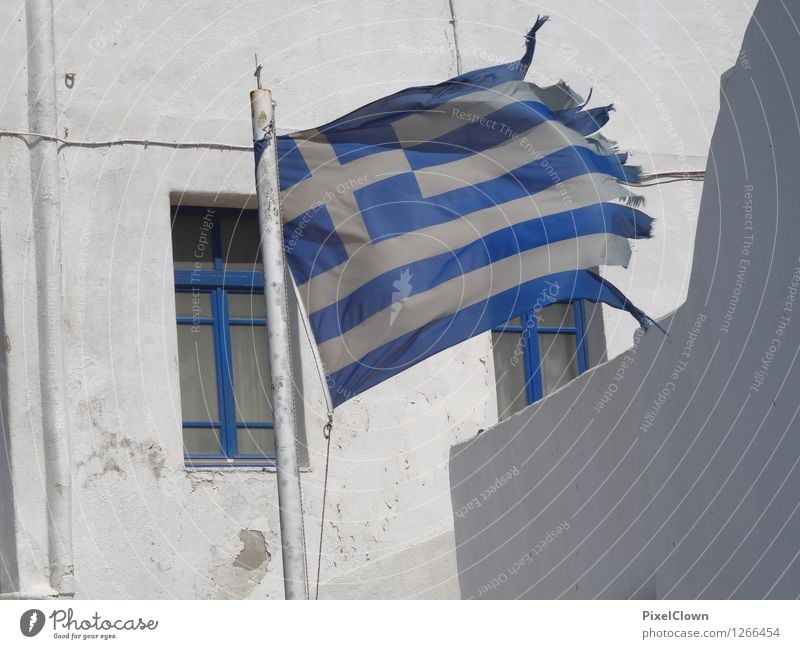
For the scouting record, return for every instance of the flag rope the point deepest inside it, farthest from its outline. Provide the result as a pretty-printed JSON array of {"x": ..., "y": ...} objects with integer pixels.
[{"x": 326, "y": 433}]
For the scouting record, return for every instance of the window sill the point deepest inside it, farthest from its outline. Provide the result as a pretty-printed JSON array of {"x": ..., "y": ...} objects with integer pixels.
[{"x": 228, "y": 467}]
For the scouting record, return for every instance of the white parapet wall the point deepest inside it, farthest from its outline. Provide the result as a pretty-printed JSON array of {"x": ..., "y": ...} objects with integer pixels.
[{"x": 672, "y": 470}]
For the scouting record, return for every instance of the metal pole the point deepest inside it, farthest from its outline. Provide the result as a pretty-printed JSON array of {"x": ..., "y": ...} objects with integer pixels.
[{"x": 272, "y": 257}]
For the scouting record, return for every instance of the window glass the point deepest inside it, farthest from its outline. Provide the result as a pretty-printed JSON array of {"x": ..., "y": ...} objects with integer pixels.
[
  {"x": 192, "y": 241},
  {"x": 256, "y": 441},
  {"x": 193, "y": 305},
  {"x": 559, "y": 360},
  {"x": 201, "y": 441},
  {"x": 556, "y": 315},
  {"x": 197, "y": 372},
  {"x": 225, "y": 396},
  {"x": 542, "y": 362},
  {"x": 509, "y": 364},
  {"x": 251, "y": 377},
  {"x": 247, "y": 305},
  {"x": 240, "y": 243}
]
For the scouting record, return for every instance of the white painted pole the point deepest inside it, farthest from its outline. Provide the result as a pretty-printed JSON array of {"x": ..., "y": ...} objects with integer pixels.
[{"x": 273, "y": 259}]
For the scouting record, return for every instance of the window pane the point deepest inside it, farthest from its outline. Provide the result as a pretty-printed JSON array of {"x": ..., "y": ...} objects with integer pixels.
[
  {"x": 192, "y": 240},
  {"x": 559, "y": 360},
  {"x": 251, "y": 377},
  {"x": 509, "y": 372},
  {"x": 556, "y": 315},
  {"x": 256, "y": 441},
  {"x": 201, "y": 440},
  {"x": 197, "y": 372},
  {"x": 193, "y": 305},
  {"x": 247, "y": 305},
  {"x": 240, "y": 242}
]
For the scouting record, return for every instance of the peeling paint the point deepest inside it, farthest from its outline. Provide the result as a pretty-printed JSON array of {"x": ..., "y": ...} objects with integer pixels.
[
  {"x": 254, "y": 550},
  {"x": 237, "y": 578}
]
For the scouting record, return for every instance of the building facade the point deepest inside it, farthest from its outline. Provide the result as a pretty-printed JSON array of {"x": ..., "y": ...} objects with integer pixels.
[{"x": 106, "y": 342}]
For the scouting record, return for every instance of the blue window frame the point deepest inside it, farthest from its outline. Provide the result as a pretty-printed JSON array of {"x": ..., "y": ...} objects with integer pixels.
[
  {"x": 538, "y": 352},
  {"x": 222, "y": 338}
]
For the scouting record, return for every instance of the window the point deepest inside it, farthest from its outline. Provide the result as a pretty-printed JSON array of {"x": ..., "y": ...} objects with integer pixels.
[
  {"x": 536, "y": 353},
  {"x": 222, "y": 338}
]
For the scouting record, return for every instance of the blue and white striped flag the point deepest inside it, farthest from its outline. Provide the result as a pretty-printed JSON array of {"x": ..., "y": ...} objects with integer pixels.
[{"x": 434, "y": 214}]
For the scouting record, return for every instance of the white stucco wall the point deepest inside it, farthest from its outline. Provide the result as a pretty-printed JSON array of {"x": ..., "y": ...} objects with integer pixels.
[
  {"x": 671, "y": 471},
  {"x": 143, "y": 525}
]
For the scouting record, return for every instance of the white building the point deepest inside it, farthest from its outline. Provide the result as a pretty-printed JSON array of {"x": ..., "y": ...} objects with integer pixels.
[{"x": 97, "y": 497}]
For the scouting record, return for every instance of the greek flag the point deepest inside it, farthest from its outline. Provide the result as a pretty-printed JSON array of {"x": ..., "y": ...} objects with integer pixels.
[{"x": 434, "y": 214}]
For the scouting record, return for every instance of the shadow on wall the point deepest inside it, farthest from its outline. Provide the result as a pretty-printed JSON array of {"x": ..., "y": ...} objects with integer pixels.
[
  {"x": 672, "y": 470},
  {"x": 8, "y": 559}
]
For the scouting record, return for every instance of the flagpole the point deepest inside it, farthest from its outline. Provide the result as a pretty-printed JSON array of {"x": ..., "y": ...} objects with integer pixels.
[{"x": 275, "y": 294}]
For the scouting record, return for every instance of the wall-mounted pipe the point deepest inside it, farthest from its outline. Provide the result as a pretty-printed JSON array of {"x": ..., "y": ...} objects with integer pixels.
[{"x": 45, "y": 189}]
